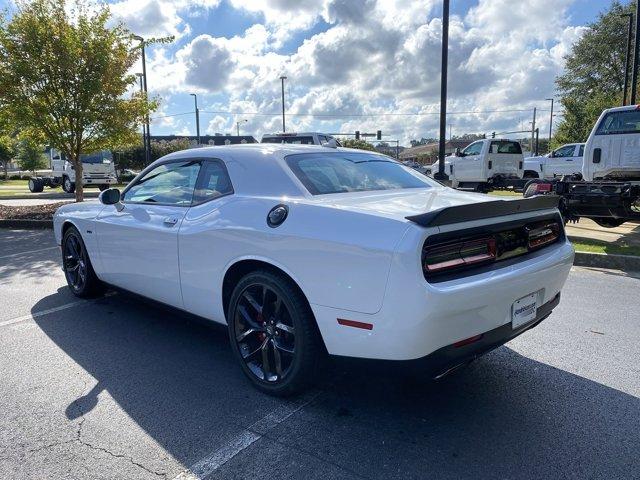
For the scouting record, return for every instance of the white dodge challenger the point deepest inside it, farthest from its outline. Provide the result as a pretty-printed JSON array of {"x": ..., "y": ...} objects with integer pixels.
[{"x": 308, "y": 250}]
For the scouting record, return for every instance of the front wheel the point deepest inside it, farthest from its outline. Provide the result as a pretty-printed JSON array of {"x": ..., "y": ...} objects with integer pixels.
[
  {"x": 78, "y": 271},
  {"x": 273, "y": 333},
  {"x": 36, "y": 185},
  {"x": 68, "y": 186}
]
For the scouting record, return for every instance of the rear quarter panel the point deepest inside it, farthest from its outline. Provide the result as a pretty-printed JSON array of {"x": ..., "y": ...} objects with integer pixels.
[{"x": 338, "y": 258}]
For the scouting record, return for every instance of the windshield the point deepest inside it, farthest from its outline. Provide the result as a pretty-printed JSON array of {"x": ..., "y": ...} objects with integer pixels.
[
  {"x": 323, "y": 173},
  {"x": 626, "y": 121},
  {"x": 104, "y": 156},
  {"x": 293, "y": 140}
]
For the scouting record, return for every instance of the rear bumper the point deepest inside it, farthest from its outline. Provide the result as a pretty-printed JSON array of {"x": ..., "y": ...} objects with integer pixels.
[{"x": 448, "y": 358}]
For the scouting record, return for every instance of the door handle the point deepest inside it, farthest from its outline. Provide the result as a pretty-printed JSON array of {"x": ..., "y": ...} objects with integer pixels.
[{"x": 170, "y": 221}]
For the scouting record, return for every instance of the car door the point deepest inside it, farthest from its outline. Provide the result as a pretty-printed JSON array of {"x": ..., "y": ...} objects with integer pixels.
[
  {"x": 561, "y": 163},
  {"x": 468, "y": 167},
  {"x": 138, "y": 239}
]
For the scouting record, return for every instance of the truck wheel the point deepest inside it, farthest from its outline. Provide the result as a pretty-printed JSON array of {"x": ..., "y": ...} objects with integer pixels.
[
  {"x": 67, "y": 185},
  {"x": 36, "y": 185},
  {"x": 103, "y": 187},
  {"x": 609, "y": 222},
  {"x": 529, "y": 187},
  {"x": 530, "y": 174}
]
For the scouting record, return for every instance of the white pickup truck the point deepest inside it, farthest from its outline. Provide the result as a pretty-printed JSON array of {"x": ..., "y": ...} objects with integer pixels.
[
  {"x": 97, "y": 171},
  {"x": 306, "y": 138},
  {"x": 484, "y": 165},
  {"x": 608, "y": 188},
  {"x": 565, "y": 160}
]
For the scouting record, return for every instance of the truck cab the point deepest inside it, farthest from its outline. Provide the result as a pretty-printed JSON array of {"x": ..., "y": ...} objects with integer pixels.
[
  {"x": 565, "y": 160},
  {"x": 612, "y": 151},
  {"x": 306, "y": 138},
  {"x": 485, "y": 163}
]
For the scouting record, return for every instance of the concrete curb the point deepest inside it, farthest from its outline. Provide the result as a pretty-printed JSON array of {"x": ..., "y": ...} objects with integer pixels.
[
  {"x": 23, "y": 224},
  {"x": 604, "y": 260},
  {"x": 49, "y": 196}
]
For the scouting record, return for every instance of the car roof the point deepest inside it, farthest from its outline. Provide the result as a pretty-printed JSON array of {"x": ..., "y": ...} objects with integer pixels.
[{"x": 623, "y": 108}]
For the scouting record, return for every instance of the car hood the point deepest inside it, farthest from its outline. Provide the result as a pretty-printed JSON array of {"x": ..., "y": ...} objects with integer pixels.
[{"x": 399, "y": 204}]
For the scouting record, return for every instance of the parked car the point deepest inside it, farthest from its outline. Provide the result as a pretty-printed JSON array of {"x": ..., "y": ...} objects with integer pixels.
[
  {"x": 565, "y": 160},
  {"x": 307, "y": 250},
  {"x": 485, "y": 164}
]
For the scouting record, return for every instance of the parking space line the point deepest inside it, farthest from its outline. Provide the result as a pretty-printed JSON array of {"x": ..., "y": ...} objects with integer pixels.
[
  {"x": 28, "y": 252},
  {"x": 32, "y": 316},
  {"x": 245, "y": 438}
]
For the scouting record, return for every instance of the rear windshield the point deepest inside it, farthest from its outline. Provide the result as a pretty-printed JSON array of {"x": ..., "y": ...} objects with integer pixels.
[
  {"x": 293, "y": 140},
  {"x": 627, "y": 121},
  {"x": 323, "y": 173},
  {"x": 505, "y": 147}
]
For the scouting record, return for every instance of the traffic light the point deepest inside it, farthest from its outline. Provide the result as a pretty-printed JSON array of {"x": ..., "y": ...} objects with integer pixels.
[
  {"x": 379, "y": 135},
  {"x": 357, "y": 134},
  {"x": 493, "y": 134}
]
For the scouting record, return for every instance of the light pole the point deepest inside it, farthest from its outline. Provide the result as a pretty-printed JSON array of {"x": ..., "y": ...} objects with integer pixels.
[
  {"x": 238, "y": 125},
  {"x": 147, "y": 139},
  {"x": 440, "y": 174},
  {"x": 550, "y": 121},
  {"x": 282, "y": 79},
  {"x": 626, "y": 58},
  {"x": 144, "y": 125},
  {"x": 195, "y": 97}
]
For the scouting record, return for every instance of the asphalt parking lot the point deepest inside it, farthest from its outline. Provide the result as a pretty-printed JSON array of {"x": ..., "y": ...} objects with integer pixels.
[{"x": 119, "y": 388}]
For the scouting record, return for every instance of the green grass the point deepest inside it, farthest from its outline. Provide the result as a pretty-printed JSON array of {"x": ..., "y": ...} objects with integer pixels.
[
  {"x": 596, "y": 246},
  {"x": 13, "y": 183}
]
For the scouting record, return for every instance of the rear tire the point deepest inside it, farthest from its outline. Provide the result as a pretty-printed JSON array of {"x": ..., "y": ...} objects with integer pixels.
[
  {"x": 609, "y": 222},
  {"x": 76, "y": 264},
  {"x": 36, "y": 185},
  {"x": 273, "y": 333}
]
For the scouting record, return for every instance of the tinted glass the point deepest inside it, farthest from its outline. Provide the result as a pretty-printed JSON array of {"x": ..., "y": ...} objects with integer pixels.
[
  {"x": 581, "y": 152},
  {"x": 505, "y": 147},
  {"x": 214, "y": 182},
  {"x": 565, "y": 151},
  {"x": 170, "y": 184},
  {"x": 104, "y": 156},
  {"x": 323, "y": 173},
  {"x": 627, "y": 121},
  {"x": 473, "y": 149}
]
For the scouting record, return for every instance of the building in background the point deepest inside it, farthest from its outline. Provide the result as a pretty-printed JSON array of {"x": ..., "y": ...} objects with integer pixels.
[{"x": 216, "y": 139}]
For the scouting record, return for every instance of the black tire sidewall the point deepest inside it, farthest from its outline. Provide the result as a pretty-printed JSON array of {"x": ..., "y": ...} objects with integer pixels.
[
  {"x": 92, "y": 285},
  {"x": 307, "y": 350}
]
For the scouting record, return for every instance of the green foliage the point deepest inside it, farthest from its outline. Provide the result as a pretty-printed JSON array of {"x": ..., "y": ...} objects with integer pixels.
[
  {"x": 65, "y": 77},
  {"x": 360, "y": 144},
  {"x": 133, "y": 156},
  {"x": 7, "y": 152},
  {"x": 594, "y": 74},
  {"x": 30, "y": 155}
]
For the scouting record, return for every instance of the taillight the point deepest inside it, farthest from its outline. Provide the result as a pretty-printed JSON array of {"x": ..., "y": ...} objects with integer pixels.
[
  {"x": 542, "y": 234},
  {"x": 459, "y": 254}
]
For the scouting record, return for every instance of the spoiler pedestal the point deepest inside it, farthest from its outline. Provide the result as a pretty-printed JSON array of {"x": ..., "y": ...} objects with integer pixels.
[{"x": 478, "y": 211}]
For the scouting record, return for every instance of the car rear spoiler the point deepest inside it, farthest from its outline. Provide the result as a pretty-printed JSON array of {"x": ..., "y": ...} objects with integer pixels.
[{"x": 481, "y": 210}]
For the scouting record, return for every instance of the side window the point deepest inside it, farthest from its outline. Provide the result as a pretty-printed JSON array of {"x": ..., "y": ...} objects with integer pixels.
[
  {"x": 213, "y": 182},
  {"x": 581, "y": 151},
  {"x": 566, "y": 151},
  {"x": 473, "y": 149},
  {"x": 167, "y": 184}
]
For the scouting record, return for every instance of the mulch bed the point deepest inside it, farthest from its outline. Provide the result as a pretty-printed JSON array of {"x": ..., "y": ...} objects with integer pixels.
[{"x": 32, "y": 212}]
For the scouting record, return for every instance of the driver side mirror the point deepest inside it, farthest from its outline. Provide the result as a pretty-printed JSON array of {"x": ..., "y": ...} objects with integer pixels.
[
  {"x": 552, "y": 154},
  {"x": 110, "y": 196},
  {"x": 457, "y": 152}
]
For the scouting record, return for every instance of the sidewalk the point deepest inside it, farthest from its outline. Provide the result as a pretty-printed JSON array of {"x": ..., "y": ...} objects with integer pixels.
[{"x": 626, "y": 235}]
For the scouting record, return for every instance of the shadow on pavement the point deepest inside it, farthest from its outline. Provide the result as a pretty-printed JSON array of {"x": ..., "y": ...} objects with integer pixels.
[{"x": 506, "y": 416}]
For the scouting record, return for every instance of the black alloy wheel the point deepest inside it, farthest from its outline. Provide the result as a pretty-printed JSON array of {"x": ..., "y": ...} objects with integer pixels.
[
  {"x": 273, "y": 333},
  {"x": 77, "y": 267}
]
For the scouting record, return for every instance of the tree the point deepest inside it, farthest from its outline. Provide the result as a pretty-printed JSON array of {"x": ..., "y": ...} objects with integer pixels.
[
  {"x": 7, "y": 152},
  {"x": 360, "y": 144},
  {"x": 65, "y": 78},
  {"x": 593, "y": 78},
  {"x": 30, "y": 155}
]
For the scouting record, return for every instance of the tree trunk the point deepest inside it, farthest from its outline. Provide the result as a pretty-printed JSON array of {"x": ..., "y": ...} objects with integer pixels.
[{"x": 78, "y": 171}]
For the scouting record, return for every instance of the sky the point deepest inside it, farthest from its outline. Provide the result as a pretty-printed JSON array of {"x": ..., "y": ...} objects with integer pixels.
[{"x": 352, "y": 65}]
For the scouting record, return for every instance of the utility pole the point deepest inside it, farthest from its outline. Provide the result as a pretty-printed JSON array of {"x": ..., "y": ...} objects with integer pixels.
[
  {"x": 533, "y": 126},
  {"x": 550, "y": 122},
  {"x": 195, "y": 97},
  {"x": 627, "y": 57},
  {"x": 282, "y": 79},
  {"x": 238, "y": 126},
  {"x": 636, "y": 51},
  {"x": 147, "y": 139},
  {"x": 440, "y": 174},
  {"x": 144, "y": 126},
  {"x": 537, "y": 134}
]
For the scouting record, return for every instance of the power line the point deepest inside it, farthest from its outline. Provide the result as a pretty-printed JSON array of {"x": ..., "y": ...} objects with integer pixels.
[{"x": 382, "y": 114}]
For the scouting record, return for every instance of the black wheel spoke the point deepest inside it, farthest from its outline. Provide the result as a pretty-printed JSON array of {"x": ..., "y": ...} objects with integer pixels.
[{"x": 264, "y": 332}]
